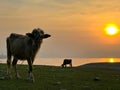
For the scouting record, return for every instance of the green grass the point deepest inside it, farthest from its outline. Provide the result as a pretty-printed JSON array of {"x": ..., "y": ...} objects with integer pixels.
[{"x": 57, "y": 78}]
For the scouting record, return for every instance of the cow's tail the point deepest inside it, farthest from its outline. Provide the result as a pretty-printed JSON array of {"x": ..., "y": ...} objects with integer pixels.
[
  {"x": 8, "y": 51},
  {"x": 8, "y": 57}
]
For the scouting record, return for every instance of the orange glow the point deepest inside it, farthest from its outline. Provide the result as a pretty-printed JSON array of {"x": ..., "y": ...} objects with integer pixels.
[
  {"x": 111, "y": 29},
  {"x": 111, "y": 60}
]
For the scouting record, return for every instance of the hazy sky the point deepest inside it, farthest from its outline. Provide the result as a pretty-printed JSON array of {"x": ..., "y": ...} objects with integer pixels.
[{"x": 76, "y": 26}]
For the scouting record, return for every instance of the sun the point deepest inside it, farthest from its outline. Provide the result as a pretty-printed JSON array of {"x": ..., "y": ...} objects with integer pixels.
[
  {"x": 111, "y": 29},
  {"x": 111, "y": 60}
]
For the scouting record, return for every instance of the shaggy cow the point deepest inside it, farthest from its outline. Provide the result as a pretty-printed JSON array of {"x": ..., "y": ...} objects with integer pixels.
[
  {"x": 67, "y": 61},
  {"x": 24, "y": 47}
]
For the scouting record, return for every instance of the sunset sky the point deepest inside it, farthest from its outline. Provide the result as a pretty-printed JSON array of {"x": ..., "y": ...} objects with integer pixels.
[{"x": 77, "y": 26}]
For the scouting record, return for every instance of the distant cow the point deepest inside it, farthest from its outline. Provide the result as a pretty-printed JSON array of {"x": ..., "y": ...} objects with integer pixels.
[
  {"x": 67, "y": 61},
  {"x": 24, "y": 47}
]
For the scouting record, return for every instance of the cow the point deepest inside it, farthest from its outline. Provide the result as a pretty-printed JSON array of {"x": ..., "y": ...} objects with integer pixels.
[
  {"x": 67, "y": 61},
  {"x": 24, "y": 47}
]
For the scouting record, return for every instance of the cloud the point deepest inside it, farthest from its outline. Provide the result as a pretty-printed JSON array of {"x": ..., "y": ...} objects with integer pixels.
[
  {"x": 57, "y": 7},
  {"x": 76, "y": 21}
]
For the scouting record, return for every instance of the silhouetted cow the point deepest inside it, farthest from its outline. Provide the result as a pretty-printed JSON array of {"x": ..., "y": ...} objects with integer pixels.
[
  {"x": 67, "y": 61},
  {"x": 24, "y": 47}
]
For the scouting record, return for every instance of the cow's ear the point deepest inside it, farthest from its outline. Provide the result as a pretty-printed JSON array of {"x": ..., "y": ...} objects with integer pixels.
[
  {"x": 46, "y": 36},
  {"x": 30, "y": 35}
]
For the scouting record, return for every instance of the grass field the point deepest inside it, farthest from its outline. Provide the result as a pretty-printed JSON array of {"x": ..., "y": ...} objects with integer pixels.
[{"x": 57, "y": 78}]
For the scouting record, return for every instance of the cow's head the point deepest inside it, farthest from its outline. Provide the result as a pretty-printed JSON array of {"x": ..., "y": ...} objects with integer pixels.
[{"x": 38, "y": 34}]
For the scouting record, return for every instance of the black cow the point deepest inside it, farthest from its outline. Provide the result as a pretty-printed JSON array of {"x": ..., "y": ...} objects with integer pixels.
[
  {"x": 67, "y": 61},
  {"x": 24, "y": 47}
]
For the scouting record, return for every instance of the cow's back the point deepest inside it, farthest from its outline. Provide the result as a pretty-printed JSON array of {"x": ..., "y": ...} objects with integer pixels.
[
  {"x": 67, "y": 61},
  {"x": 20, "y": 45}
]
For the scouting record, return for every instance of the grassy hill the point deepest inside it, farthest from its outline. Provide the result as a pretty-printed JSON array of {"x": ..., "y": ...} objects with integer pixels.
[{"x": 87, "y": 77}]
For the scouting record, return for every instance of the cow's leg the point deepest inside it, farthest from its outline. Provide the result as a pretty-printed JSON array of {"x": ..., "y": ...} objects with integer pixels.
[
  {"x": 30, "y": 77},
  {"x": 15, "y": 70},
  {"x": 32, "y": 60},
  {"x": 65, "y": 65},
  {"x": 8, "y": 64},
  {"x": 8, "y": 67},
  {"x": 62, "y": 66},
  {"x": 70, "y": 64}
]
